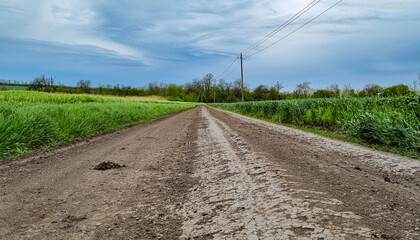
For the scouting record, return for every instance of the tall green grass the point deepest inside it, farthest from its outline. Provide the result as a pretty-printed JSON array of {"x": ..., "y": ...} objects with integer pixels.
[
  {"x": 389, "y": 122},
  {"x": 42, "y": 97},
  {"x": 33, "y": 120}
]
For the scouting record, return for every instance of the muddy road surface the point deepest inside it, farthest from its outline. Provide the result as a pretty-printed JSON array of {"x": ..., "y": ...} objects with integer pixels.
[{"x": 210, "y": 174}]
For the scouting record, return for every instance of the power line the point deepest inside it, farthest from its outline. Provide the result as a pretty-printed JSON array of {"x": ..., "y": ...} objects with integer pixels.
[
  {"x": 227, "y": 68},
  {"x": 268, "y": 36},
  {"x": 288, "y": 22},
  {"x": 297, "y": 29},
  {"x": 278, "y": 29},
  {"x": 233, "y": 69}
]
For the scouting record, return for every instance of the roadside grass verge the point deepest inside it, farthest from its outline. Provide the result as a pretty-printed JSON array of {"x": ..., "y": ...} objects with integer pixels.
[
  {"x": 388, "y": 124},
  {"x": 31, "y": 120}
]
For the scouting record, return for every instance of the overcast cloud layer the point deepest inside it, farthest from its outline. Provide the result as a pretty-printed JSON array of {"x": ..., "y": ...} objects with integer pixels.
[{"x": 135, "y": 42}]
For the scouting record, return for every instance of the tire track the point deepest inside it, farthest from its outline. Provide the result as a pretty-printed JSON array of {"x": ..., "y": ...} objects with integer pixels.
[{"x": 241, "y": 196}]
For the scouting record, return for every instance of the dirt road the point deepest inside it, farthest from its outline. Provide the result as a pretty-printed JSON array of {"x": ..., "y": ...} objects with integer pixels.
[{"x": 210, "y": 174}]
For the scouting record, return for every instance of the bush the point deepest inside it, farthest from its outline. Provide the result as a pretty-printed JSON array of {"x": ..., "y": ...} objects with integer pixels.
[{"x": 392, "y": 122}]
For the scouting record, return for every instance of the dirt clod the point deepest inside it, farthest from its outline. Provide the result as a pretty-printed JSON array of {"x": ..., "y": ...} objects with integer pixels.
[
  {"x": 107, "y": 166},
  {"x": 70, "y": 219}
]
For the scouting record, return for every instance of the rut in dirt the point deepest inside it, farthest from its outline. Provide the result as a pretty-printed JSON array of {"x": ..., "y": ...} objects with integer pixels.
[{"x": 241, "y": 196}]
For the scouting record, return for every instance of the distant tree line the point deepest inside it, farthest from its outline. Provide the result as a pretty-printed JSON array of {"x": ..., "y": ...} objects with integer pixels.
[
  {"x": 209, "y": 90},
  {"x": 13, "y": 82}
]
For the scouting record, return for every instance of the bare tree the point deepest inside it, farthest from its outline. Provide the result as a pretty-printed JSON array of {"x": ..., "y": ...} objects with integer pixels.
[
  {"x": 303, "y": 88},
  {"x": 237, "y": 84},
  {"x": 348, "y": 91},
  {"x": 83, "y": 83},
  {"x": 207, "y": 85},
  {"x": 336, "y": 89},
  {"x": 228, "y": 86},
  {"x": 39, "y": 83},
  {"x": 278, "y": 86},
  {"x": 414, "y": 87}
]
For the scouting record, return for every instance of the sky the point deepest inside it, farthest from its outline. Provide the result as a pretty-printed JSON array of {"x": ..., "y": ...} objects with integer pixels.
[{"x": 134, "y": 42}]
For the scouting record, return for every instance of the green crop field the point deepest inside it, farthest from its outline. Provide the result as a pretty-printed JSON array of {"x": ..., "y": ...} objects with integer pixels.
[
  {"x": 389, "y": 123},
  {"x": 35, "y": 120}
]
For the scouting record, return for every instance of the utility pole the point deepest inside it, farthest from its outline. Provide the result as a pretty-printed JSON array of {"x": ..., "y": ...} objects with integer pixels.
[
  {"x": 242, "y": 79},
  {"x": 214, "y": 93}
]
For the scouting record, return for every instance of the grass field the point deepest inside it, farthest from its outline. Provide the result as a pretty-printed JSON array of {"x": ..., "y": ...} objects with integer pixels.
[
  {"x": 389, "y": 123},
  {"x": 35, "y": 120},
  {"x": 12, "y": 87},
  {"x": 151, "y": 97}
]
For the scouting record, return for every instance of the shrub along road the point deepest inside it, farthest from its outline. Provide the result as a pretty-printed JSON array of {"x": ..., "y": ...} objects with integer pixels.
[{"x": 206, "y": 173}]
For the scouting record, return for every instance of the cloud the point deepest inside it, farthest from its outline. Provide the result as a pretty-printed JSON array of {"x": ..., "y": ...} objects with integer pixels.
[
  {"x": 130, "y": 27},
  {"x": 205, "y": 35},
  {"x": 64, "y": 22}
]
